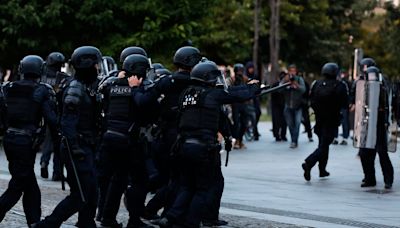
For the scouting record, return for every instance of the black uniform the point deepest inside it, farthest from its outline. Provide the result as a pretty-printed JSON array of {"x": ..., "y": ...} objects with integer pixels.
[
  {"x": 279, "y": 126},
  {"x": 79, "y": 127},
  {"x": 127, "y": 110},
  {"x": 367, "y": 156},
  {"x": 198, "y": 126},
  {"x": 328, "y": 97},
  {"x": 27, "y": 101}
]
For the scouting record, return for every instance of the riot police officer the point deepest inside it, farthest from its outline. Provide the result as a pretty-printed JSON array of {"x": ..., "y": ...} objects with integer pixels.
[
  {"x": 127, "y": 108},
  {"x": 327, "y": 97},
  {"x": 52, "y": 77},
  {"x": 200, "y": 108},
  {"x": 185, "y": 59},
  {"x": 79, "y": 130},
  {"x": 27, "y": 101},
  {"x": 367, "y": 155}
]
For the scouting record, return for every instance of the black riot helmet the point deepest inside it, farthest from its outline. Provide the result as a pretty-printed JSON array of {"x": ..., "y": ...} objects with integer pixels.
[
  {"x": 373, "y": 73},
  {"x": 157, "y": 66},
  {"x": 130, "y": 51},
  {"x": 162, "y": 72},
  {"x": 187, "y": 57},
  {"x": 330, "y": 70},
  {"x": 31, "y": 66},
  {"x": 238, "y": 67},
  {"x": 136, "y": 65},
  {"x": 55, "y": 59},
  {"x": 366, "y": 62},
  {"x": 206, "y": 72},
  {"x": 85, "y": 57}
]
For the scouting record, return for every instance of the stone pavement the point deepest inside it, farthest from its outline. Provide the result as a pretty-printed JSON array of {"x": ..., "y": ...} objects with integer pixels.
[{"x": 264, "y": 187}]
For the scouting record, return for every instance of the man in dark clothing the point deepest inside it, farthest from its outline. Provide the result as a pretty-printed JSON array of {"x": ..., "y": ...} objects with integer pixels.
[
  {"x": 327, "y": 96},
  {"x": 52, "y": 77},
  {"x": 25, "y": 102},
  {"x": 79, "y": 126},
  {"x": 278, "y": 118},
  {"x": 252, "y": 75},
  {"x": 200, "y": 108}
]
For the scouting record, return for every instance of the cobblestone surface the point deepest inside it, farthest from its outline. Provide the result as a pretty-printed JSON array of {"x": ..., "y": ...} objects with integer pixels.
[{"x": 51, "y": 196}]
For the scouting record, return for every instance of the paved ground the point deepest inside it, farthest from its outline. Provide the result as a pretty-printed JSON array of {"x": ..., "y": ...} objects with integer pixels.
[{"x": 265, "y": 188}]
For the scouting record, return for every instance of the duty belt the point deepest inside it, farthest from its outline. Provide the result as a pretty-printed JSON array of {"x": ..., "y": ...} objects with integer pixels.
[
  {"x": 199, "y": 142},
  {"x": 18, "y": 131},
  {"x": 116, "y": 133}
]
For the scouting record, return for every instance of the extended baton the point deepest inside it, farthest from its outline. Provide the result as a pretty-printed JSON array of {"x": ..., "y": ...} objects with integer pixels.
[
  {"x": 74, "y": 168},
  {"x": 273, "y": 89}
]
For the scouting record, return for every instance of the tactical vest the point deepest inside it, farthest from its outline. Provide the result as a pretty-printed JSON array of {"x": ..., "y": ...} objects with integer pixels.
[
  {"x": 22, "y": 109},
  {"x": 120, "y": 104},
  {"x": 196, "y": 115}
]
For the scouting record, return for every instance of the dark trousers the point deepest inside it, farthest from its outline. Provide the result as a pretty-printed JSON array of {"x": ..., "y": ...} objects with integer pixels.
[
  {"x": 47, "y": 150},
  {"x": 257, "y": 108},
  {"x": 306, "y": 120},
  {"x": 215, "y": 195},
  {"x": 169, "y": 172},
  {"x": 240, "y": 118},
  {"x": 21, "y": 158},
  {"x": 198, "y": 171},
  {"x": 127, "y": 162},
  {"x": 345, "y": 124},
  {"x": 73, "y": 202},
  {"x": 367, "y": 156},
  {"x": 278, "y": 122},
  {"x": 325, "y": 135}
]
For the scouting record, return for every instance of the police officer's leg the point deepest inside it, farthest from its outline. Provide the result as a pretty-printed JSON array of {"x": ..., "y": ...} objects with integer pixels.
[
  {"x": 211, "y": 215},
  {"x": 386, "y": 164},
  {"x": 68, "y": 206},
  {"x": 104, "y": 172},
  {"x": 18, "y": 150},
  {"x": 185, "y": 186},
  {"x": 314, "y": 157},
  {"x": 204, "y": 171},
  {"x": 47, "y": 149},
  {"x": 367, "y": 157},
  {"x": 119, "y": 163},
  {"x": 345, "y": 123},
  {"x": 136, "y": 196},
  {"x": 327, "y": 138},
  {"x": 89, "y": 186},
  {"x": 57, "y": 172}
]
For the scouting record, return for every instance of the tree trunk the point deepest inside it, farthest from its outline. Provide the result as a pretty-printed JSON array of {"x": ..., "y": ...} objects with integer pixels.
[
  {"x": 274, "y": 39},
  {"x": 257, "y": 9}
]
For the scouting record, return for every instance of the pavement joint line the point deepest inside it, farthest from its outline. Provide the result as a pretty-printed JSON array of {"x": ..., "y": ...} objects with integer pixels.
[{"x": 301, "y": 215}]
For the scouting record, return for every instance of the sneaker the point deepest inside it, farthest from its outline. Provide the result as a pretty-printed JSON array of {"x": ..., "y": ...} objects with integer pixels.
[
  {"x": 237, "y": 145},
  {"x": 344, "y": 142},
  {"x": 335, "y": 142},
  {"x": 388, "y": 186},
  {"x": 293, "y": 145},
  {"x": 368, "y": 184},
  {"x": 310, "y": 139},
  {"x": 307, "y": 171},
  {"x": 110, "y": 224},
  {"x": 242, "y": 146},
  {"x": 284, "y": 139}
]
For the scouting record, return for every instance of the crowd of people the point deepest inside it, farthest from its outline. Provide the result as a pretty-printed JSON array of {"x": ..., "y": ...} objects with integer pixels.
[{"x": 143, "y": 129}]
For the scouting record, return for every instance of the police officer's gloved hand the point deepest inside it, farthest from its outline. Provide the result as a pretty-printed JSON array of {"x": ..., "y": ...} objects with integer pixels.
[{"x": 228, "y": 144}]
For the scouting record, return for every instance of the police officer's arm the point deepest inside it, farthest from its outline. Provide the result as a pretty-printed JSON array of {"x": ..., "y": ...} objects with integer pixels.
[
  {"x": 46, "y": 98},
  {"x": 235, "y": 94},
  {"x": 70, "y": 116}
]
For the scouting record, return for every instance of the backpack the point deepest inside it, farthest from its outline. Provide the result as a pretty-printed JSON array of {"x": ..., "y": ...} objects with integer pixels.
[{"x": 323, "y": 97}]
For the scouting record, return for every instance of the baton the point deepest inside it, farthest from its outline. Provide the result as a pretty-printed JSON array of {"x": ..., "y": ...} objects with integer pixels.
[
  {"x": 74, "y": 168},
  {"x": 273, "y": 89},
  {"x": 227, "y": 158}
]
